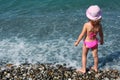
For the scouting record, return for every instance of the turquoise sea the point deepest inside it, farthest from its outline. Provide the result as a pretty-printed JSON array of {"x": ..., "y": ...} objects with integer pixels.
[{"x": 44, "y": 31}]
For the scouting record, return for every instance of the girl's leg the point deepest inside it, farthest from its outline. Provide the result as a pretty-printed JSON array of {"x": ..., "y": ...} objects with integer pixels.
[
  {"x": 84, "y": 59},
  {"x": 95, "y": 56}
]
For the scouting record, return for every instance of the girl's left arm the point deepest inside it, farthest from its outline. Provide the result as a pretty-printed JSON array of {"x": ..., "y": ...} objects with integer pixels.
[{"x": 84, "y": 30}]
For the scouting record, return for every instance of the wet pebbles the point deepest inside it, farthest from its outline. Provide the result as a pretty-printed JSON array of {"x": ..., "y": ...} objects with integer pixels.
[{"x": 53, "y": 72}]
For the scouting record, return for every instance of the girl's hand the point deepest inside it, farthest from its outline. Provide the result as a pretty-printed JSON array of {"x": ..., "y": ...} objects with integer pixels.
[
  {"x": 76, "y": 43},
  {"x": 101, "y": 42}
]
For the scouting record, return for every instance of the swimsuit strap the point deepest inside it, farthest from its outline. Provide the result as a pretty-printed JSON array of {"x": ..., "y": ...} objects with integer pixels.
[{"x": 92, "y": 34}]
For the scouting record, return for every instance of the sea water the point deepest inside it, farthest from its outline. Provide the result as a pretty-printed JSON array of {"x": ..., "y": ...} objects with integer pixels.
[{"x": 44, "y": 31}]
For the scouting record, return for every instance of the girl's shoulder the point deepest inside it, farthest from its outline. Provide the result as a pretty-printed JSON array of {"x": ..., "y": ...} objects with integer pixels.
[{"x": 87, "y": 24}]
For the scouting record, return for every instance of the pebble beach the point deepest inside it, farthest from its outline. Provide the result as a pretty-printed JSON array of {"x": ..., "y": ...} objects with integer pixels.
[{"x": 53, "y": 72}]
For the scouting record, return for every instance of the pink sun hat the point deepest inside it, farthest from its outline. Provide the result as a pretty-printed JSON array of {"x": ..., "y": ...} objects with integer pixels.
[{"x": 94, "y": 13}]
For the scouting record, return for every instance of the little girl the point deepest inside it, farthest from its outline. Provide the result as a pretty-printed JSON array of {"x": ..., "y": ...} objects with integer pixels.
[{"x": 89, "y": 32}]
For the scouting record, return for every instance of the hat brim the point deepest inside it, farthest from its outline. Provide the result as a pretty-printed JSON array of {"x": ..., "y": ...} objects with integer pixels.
[{"x": 93, "y": 18}]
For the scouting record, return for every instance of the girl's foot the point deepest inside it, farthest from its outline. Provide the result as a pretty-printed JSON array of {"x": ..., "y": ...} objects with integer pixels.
[
  {"x": 81, "y": 71},
  {"x": 92, "y": 68}
]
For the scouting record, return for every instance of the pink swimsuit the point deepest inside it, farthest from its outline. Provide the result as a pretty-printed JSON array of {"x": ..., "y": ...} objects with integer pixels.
[{"x": 92, "y": 44}]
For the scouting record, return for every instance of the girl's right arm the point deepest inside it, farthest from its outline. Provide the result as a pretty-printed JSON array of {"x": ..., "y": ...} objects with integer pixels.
[{"x": 101, "y": 35}]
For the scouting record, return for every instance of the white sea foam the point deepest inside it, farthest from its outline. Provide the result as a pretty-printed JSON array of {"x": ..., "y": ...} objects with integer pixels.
[{"x": 60, "y": 51}]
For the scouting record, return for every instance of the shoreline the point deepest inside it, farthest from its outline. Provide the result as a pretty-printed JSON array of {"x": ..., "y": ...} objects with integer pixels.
[{"x": 53, "y": 72}]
